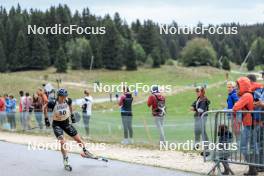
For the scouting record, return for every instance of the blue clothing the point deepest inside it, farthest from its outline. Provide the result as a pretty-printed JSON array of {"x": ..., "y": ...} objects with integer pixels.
[
  {"x": 258, "y": 96},
  {"x": 8, "y": 105},
  {"x": 13, "y": 105},
  {"x": 248, "y": 142},
  {"x": 232, "y": 99}
]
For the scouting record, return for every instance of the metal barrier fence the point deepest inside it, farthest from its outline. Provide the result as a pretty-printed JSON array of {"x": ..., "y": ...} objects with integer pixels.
[{"x": 231, "y": 141}]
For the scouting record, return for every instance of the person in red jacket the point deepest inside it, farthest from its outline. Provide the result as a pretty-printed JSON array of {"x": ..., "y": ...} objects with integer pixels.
[
  {"x": 2, "y": 111},
  {"x": 245, "y": 103},
  {"x": 157, "y": 102}
]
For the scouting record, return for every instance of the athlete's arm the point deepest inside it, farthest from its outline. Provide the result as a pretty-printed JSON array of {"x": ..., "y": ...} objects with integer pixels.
[
  {"x": 46, "y": 107},
  {"x": 69, "y": 102}
]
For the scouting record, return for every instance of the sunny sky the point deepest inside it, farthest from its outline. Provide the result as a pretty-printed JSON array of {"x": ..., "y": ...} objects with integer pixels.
[{"x": 185, "y": 12}]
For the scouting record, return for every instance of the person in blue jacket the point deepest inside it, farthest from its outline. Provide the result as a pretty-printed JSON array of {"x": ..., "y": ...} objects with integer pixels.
[{"x": 232, "y": 94}]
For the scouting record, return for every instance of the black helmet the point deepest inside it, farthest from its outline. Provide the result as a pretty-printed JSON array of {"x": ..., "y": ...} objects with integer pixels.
[
  {"x": 62, "y": 92},
  {"x": 155, "y": 89}
]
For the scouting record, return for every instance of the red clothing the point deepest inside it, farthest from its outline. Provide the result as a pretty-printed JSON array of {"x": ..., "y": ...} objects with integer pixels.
[
  {"x": 20, "y": 105},
  {"x": 121, "y": 101},
  {"x": 245, "y": 103},
  {"x": 2, "y": 105},
  {"x": 152, "y": 102},
  {"x": 255, "y": 85}
]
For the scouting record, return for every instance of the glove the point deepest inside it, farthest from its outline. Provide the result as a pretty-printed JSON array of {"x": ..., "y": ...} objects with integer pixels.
[
  {"x": 73, "y": 118},
  {"x": 47, "y": 123}
]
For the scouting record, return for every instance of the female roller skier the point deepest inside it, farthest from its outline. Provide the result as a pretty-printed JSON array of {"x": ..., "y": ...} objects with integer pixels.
[{"x": 61, "y": 110}]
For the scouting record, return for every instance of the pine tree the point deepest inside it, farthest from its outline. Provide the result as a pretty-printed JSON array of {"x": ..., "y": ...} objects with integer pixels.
[
  {"x": 3, "y": 37},
  {"x": 139, "y": 53},
  {"x": 130, "y": 62},
  {"x": 74, "y": 54},
  {"x": 40, "y": 53},
  {"x": 96, "y": 49},
  {"x": 22, "y": 54},
  {"x": 112, "y": 47},
  {"x": 148, "y": 36},
  {"x": 155, "y": 55},
  {"x": 61, "y": 61},
  {"x": 3, "y": 63},
  {"x": 226, "y": 64},
  {"x": 173, "y": 48}
]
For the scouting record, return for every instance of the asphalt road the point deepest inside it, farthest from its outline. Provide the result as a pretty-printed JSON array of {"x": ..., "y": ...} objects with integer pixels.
[{"x": 17, "y": 160}]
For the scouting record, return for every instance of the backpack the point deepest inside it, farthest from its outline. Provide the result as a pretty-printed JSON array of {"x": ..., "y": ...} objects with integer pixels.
[{"x": 161, "y": 107}]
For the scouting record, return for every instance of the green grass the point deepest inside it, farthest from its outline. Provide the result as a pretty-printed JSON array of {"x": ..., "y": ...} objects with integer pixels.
[
  {"x": 172, "y": 75},
  {"x": 105, "y": 124},
  {"x": 178, "y": 122}
]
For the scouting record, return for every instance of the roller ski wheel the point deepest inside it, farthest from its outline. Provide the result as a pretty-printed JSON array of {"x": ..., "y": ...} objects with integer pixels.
[
  {"x": 67, "y": 165},
  {"x": 68, "y": 168}
]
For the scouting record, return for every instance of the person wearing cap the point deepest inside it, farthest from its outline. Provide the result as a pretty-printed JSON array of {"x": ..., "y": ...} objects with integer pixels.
[
  {"x": 200, "y": 106},
  {"x": 157, "y": 103}
]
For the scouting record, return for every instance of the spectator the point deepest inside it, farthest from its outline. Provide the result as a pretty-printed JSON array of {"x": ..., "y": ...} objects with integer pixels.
[
  {"x": 8, "y": 109},
  {"x": 2, "y": 111},
  {"x": 232, "y": 94},
  {"x": 258, "y": 95},
  {"x": 37, "y": 105},
  {"x": 21, "y": 113},
  {"x": 12, "y": 114},
  {"x": 44, "y": 100},
  {"x": 225, "y": 139},
  {"x": 27, "y": 109},
  {"x": 87, "y": 110},
  {"x": 200, "y": 106},
  {"x": 157, "y": 102},
  {"x": 245, "y": 103},
  {"x": 125, "y": 103}
]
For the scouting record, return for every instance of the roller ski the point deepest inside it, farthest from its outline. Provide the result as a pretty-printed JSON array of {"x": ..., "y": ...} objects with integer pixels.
[
  {"x": 67, "y": 165},
  {"x": 87, "y": 154}
]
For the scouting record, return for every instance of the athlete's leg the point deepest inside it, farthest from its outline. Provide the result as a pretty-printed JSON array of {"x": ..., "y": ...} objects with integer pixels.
[
  {"x": 58, "y": 131},
  {"x": 63, "y": 146},
  {"x": 78, "y": 139}
]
